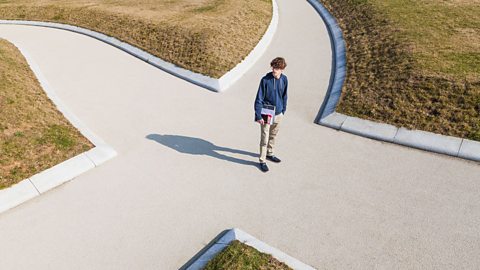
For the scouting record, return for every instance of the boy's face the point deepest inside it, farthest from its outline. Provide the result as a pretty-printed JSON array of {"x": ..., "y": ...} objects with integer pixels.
[{"x": 277, "y": 72}]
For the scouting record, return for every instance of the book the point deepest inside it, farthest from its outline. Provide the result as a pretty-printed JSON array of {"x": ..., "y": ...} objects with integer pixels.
[{"x": 268, "y": 114}]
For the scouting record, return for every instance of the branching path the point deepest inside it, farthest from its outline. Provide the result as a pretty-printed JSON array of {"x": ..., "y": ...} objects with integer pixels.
[{"x": 185, "y": 170}]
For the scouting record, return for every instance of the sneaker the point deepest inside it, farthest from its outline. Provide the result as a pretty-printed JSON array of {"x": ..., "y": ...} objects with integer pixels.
[
  {"x": 273, "y": 158},
  {"x": 263, "y": 167}
]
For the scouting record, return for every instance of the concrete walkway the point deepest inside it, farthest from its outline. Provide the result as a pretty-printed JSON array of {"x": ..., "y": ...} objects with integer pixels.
[{"x": 186, "y": 170}]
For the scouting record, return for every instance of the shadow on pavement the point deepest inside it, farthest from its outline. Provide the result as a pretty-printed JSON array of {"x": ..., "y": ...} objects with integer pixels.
[{"x": 196, "y": 146}]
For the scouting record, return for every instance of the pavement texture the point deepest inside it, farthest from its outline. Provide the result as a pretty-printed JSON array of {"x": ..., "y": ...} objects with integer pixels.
[{"x": 186, "y": 170}]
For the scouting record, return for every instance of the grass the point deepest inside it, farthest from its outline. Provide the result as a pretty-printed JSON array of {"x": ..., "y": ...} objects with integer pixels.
[
  {"x": 411, "y": 63},
  {"x": 34, "y": 136},
  {"x": 238, "y": 256},
  {"x": 205, "y": 36}
]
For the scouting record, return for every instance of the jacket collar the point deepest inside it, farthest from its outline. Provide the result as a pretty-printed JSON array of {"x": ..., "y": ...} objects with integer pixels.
[{"x": 270, "y": 75}]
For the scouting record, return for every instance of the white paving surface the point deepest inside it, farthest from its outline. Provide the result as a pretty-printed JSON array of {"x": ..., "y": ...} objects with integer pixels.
[{"x": 180, "y": 177}]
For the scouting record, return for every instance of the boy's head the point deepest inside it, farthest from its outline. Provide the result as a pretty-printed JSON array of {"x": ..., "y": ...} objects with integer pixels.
[{"x": 278, "y": 65}]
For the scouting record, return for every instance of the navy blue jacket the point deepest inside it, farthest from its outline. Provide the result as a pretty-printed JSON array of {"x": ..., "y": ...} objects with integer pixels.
[{"x": 272, "y": 92}]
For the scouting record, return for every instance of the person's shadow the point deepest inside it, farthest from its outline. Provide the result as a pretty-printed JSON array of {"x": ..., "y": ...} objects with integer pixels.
[{"x": 196, "y": 146}]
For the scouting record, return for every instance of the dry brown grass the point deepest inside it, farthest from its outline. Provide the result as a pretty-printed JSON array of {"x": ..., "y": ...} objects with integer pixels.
[
  {"x": 34, "y": 136},
  {"x": 411, "y": 63},
  {"x": 205, "y": 36}
]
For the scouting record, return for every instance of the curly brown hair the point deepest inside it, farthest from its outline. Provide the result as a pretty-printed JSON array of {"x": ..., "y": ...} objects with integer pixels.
[{"x": 278, "y": 62}]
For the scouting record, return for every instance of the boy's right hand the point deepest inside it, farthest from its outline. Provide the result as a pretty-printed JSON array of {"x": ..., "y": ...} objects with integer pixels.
[{"x": 261, "y": 122}]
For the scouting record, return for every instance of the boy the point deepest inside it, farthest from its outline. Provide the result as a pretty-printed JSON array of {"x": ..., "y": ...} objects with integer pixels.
[{"x": 272, "y": 91}]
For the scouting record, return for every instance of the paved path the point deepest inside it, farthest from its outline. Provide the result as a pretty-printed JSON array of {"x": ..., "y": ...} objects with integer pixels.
[{"x": 186, "y": 171}]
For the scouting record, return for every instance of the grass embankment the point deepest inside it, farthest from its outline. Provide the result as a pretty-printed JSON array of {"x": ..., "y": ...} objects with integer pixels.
[
  {"x": 205, "y": 36},
  {"x": 238, "y": 256},
  {"x": 412, "y": 63},
  {"x": 34, "y": 136}
]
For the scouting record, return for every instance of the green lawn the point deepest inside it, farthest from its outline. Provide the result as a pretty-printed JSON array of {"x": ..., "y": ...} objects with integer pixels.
[
  {"x": 414, "y": 64},
  {"x": 238, "y": 256},
  {"x": 206, "y": 36},
  {"x": 34, "y": 136}
]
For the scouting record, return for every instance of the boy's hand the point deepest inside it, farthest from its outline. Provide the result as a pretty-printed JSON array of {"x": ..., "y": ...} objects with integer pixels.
[{"x": 261, "y": 122}]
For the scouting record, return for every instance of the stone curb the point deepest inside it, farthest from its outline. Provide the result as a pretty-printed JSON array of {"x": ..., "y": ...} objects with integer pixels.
[
  {"x": 428, "y": 141},
  {"x": 339, "y": 60},
  {"x": 369, "y": 129},
  {"x": 61, "y": 173},
  {"x": 17, "y": 194},
  {"x": 53, "y": 177},
  {"x": 236, "y": 234},
  {"x": 327, "y": 116},
  {"x": 469, "y": 150},
  {"x": 65, "y": 171},
  {"x": 201, "y": 80}
]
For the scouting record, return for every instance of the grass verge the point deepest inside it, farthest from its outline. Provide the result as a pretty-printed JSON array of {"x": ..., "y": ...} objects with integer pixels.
[
  {"x": 412, "y": 63},
  {"x": 205, "y": 36},
  {"x": 238, "y": 256},
  {"x": 34, "y": 136}
]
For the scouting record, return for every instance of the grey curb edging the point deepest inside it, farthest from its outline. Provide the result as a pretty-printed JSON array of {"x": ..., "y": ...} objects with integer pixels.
[
  {"x": 428, "y": 141},
  {"x": 65, "y": 171},
  {"x": 236, "y": 234},
  {"x": 339, "y": 69},
  {"x": 327, "y": 116},
  {"x": 213, "y": 84}
]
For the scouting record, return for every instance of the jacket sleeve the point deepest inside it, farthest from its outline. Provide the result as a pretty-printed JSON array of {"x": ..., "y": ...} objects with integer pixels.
[
  {"x": 259, "y": 100},
  {"x": 285, "y": 96}
]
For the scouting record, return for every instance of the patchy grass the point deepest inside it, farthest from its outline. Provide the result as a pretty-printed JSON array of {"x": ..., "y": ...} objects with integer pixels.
[
  {"x": 206, "y": 36},
  {"x": 34, "y": 136},
  {"x": 443, "y": 36},
  {"x": 412, "y": 63},
  {"x": 238, "y": 256}
]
